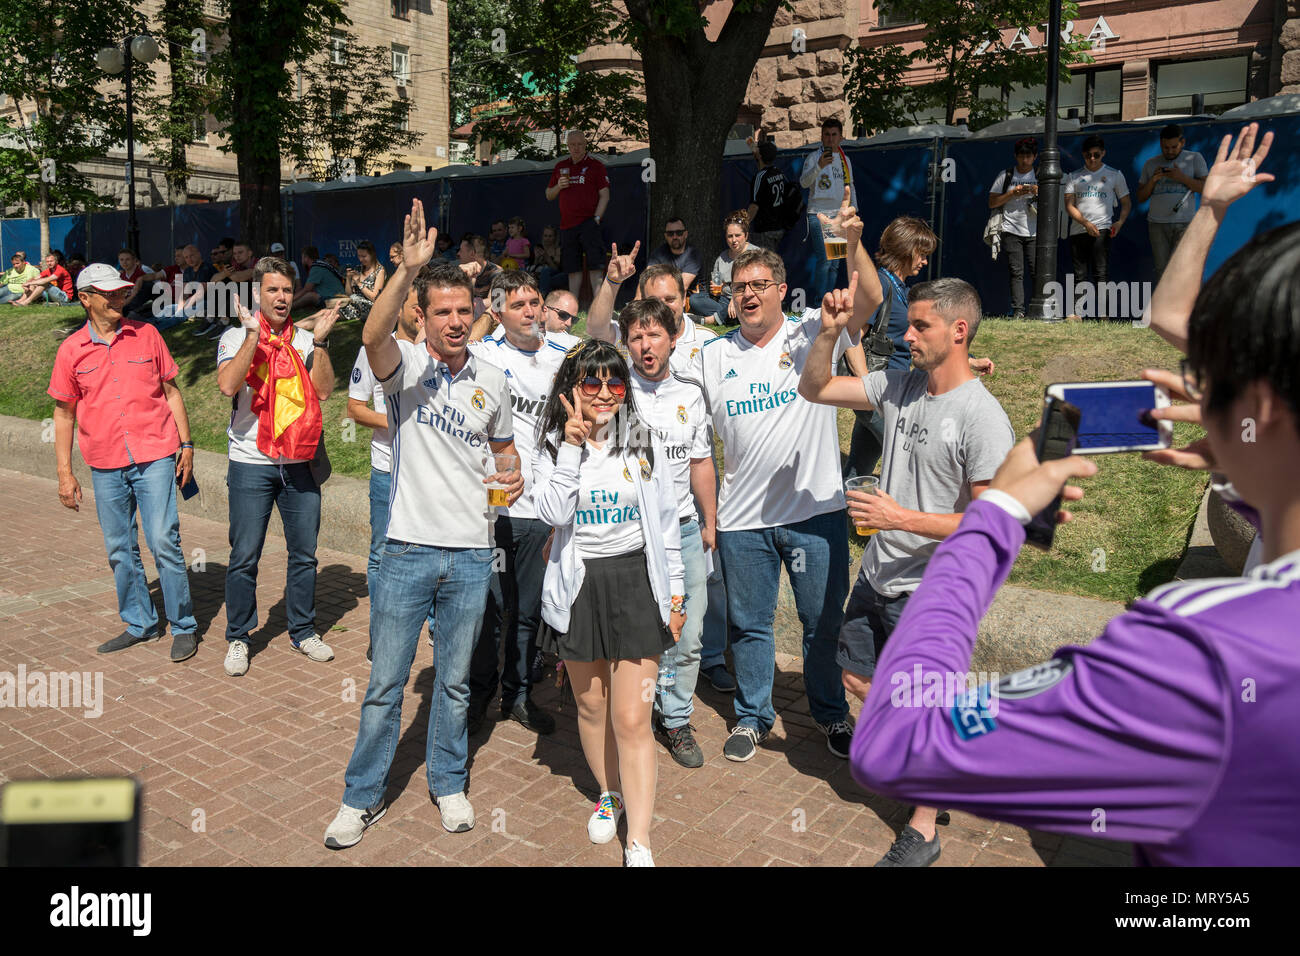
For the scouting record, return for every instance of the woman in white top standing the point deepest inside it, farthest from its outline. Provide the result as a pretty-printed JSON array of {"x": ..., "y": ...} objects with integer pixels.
[{"x": 613, "y": 596}]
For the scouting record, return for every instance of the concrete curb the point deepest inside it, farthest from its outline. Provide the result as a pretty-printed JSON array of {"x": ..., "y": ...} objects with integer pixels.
[
  {"x": 28, "y": 447},
  {"x": 1202, "y": 558}
]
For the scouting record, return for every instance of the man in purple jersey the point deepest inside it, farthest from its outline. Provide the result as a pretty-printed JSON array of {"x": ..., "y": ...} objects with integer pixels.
[{"x": 1175, "y": 729}]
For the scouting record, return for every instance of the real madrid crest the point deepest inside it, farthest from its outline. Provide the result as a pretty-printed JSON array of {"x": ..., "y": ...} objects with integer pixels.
[
  {"x": 786, "y": 361},
  {"x": 477, "y": 399},
  {"x": 627, "y": 475},
  {"x": 681, "y": 414},
  {"x": 694, "y": 352},
  {"x": 645, "y": 469}
]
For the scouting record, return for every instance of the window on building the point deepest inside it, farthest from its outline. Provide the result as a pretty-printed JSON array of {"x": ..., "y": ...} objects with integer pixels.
[
  {"x": 401, "y": 9},
  {"x": 199, "y": 130},
  {"x": 1222, "y": 81},
  {"x": 1095, "y": 96},
  {"x": 401, "y": 65},
  {"x": 338, "y": 44},
  {"x": 884, "y": 18}
]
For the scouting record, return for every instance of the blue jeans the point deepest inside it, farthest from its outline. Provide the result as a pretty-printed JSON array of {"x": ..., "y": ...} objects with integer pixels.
[
  {"x": 56, "y": 296},
  {"x": 152, "y": 489},
  {"x": 414, "y": 581},
  {"x": 381, "y": 483},
  {"x": 513, "y": 613},
  {"x": 6, "y": 295},
  {"x": 826, "y": 273},
  {"x": 713, "y": 643},
  {"x": 253, "y": 491},
  {"x": 677, "y": 703},
  {"x": 706, "y": 305},
  {"x": 815, "y": 553}
]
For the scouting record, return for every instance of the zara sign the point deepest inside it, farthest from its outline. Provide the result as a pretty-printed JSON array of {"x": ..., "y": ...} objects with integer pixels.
[{"x": 1097, "y": 37}]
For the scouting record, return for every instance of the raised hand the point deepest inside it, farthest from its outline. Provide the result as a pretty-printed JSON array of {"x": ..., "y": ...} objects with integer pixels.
[
  {"x": 837, "y": 305},
  {"x": 621, "y": 268},
  {"x": 1236, "y": 168},
  {"x": 418, "y": 244},
  {"x": 577, "y": 428},
  {"x": 324, "y": 322},
  {"x": 248, "y": 321}
]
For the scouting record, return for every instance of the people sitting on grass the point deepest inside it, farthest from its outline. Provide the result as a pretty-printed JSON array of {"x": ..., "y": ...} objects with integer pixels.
[
  {"x": 19, "y": 274},
  {"x": 712, "y": 306},
  {"x": 53, "y": 285}
]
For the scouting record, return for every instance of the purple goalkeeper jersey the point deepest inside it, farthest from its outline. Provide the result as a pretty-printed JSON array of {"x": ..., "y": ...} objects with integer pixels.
[{"x": 1177, "y": 729}]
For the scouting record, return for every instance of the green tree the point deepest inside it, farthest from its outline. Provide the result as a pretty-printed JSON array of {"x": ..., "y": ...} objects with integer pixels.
[
  {"x": 350, "y": 115},
  {"x": 694, "y": 88},
  {"x": 48, "y": 70},
  {"x": 878, "y": 76},
  {"x": 963, "y": 39},
  {"x": 538, "y": 77},
  {"x": 256, "y": 96},
  {"x": 469, "y": 30},
  {"x": 186, "y": 96}
]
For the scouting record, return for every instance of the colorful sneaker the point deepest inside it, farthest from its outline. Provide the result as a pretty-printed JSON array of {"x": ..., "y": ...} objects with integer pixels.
[
  {"x": 603, "y": 824},
  {"x": 637, "y": 855}
]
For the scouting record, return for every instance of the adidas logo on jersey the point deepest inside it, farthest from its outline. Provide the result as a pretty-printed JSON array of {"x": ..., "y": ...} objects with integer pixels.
[
  {"x": 731, "y": 373},
  {"x": 431, "y": 383}
]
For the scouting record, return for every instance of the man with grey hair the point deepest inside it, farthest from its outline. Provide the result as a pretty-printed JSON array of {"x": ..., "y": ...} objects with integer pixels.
[{"x": 945, "y": 436}]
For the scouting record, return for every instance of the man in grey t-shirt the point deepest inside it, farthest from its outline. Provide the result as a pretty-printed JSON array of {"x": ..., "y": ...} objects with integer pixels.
[
  {"x": 945, "y": 437},
  {"x": 1169, "y": 181}
]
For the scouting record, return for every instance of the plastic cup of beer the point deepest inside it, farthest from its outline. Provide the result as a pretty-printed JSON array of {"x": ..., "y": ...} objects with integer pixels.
[
  {"x": 715, "y": 288},
  {"x": 869, "y": 484},
  {"x": 837, "y": 245},
  {"x": 497, "y": 464}
]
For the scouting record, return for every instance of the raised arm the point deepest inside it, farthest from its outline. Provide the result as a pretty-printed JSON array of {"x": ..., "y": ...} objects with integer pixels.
[
  {"x": 418, "y": 245},
  {"x": 1235, "y": 173},
  {"x": 600, "y": 317},
  {"x": 818, "y": 383}
]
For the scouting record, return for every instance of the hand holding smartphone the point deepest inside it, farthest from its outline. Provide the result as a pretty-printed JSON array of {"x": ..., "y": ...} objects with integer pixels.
[{"x": 1057, "y": 436}]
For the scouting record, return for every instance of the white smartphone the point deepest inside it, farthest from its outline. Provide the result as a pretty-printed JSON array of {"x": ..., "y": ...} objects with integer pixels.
[{"x": 1114, "y": 416}]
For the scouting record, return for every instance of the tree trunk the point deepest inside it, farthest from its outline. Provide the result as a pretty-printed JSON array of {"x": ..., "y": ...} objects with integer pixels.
[
  {"x": 43, "y": 213},
  {"x": 259, "y": 201},
  {"x": 694, "y": 90}
]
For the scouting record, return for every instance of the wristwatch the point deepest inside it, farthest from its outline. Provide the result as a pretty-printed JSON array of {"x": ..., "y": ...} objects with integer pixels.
[{"x": 321, "y": 345}]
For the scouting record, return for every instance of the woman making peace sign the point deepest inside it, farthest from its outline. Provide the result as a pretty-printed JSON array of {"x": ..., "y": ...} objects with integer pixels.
[{"x": 612, "y": 597}]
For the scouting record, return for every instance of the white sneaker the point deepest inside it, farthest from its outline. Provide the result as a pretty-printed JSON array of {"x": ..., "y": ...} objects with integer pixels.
[
  {"x": 314, "y": 648},
  {"x": 349, "y": 825},
  {"x": 637, "y": 855},
  {"x": 603, "y": 823},
  {"x": 457, "y": 814},
  {"x": 237, "y": 659}
]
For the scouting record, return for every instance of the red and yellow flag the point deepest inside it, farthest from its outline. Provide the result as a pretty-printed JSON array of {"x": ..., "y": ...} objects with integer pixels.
[{"x": 284, "y": 399}]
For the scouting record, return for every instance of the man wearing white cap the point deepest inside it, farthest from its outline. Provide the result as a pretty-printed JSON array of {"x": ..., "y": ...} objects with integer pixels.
[
  {"x": 115, "y": 379},
  {"x": 277, "y": 249}
]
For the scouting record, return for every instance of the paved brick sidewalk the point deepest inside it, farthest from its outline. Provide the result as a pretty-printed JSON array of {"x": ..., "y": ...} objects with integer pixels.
[{"x": 250, "y": 770}]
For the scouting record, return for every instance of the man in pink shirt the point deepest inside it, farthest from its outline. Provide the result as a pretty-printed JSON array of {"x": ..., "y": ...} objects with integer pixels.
[{"x": 115, "y": 379}]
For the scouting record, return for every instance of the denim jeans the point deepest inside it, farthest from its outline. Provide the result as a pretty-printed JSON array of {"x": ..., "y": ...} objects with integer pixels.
[
  {"x": 152, "y": 489},
  {"x": 1021, "y": 257},
  {"x": 826, "y": 274},
  {"x": 6, "y": 295},
  {"x": 706, "y": 305},
  {"x": 1090, "y": 257},
  {"x": 56, "y": 296},
  {"x": 677, "y": 703},
  {"x": 713, "y": 642},
  {"x": 415, "y": 580},
  {"x": 381, "y": 483},
  {"x": 815, "y": 553},
  {"x": 253, "y": 491},
  {"x": 513, "y": 613}
]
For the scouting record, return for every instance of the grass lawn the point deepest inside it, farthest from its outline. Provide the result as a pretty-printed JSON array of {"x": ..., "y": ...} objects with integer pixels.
[{"x": 1129, "y": 532}]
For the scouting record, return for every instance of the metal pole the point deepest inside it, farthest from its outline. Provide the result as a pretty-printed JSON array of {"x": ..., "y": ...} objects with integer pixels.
[
  {"x": 132, "y": 228},
  {"x": 1049, "y": 181}
]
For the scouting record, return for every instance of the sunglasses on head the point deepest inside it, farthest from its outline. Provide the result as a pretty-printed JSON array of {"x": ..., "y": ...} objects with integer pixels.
[
  {"x": 674, "y": 232},
  {"x": 591, "y": 386}
]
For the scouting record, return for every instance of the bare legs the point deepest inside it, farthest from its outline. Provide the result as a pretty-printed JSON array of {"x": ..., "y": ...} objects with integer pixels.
[
  {"x": 614, "y": 701},
  {"x": 923, "y": 818}
]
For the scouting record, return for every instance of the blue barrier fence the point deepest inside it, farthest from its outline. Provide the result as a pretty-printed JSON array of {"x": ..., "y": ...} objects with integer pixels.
[{"x": 891, "y": 180}]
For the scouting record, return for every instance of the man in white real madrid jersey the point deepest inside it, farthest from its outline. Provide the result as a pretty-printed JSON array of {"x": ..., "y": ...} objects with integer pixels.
[
  {"x": 675, "y": 411},
  {"x": 447, "y": 412},
  {"x": 781, "y": 500},
  {"x": 529, "y": 356}
]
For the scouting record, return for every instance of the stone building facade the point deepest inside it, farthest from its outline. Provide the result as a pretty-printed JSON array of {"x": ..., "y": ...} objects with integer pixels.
[{"x": 416, "y": 29}]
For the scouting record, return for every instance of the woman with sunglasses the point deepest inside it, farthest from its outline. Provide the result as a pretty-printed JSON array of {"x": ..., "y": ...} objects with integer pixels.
[
  {"x": 735, "y": 234},
  {"x": 612, "y": 598}
]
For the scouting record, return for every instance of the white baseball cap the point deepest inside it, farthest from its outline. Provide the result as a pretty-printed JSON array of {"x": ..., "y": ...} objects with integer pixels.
[
  {"x": 277, "y": 247},
  {"x": 101, "y": 277}
]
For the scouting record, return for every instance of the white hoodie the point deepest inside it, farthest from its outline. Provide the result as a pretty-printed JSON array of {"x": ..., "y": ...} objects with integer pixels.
[{"x": 555, "y": 497}]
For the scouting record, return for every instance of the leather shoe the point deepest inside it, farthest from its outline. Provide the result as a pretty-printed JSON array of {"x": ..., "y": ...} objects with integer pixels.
[
  {"x": 532, "y": 717},
  {"x": 184, "y": 646},
  {"x": 124, "y": 640}
]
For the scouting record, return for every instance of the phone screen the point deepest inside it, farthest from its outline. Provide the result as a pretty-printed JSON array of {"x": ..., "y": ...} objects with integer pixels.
[{"x": 1114, "y": 415}]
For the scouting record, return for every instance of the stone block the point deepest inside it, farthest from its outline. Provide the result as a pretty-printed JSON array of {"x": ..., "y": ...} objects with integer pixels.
[
  {"x": 786, "y": 68},
  {"x": 804, "y": 116},
  {"x": 788, "y": 93},
  {"x": 826, "y": 88},
  {"x": 1290, "y": 35},
  {"x": 762, "y": 83},
  {"x": 829, "y": 62},
  {"x": 805, "y": 64},
  {"x": 1290, "y": 67}
]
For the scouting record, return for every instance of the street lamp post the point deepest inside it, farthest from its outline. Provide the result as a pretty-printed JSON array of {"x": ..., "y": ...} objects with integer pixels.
[
  {"x": 112, "y": 60},
  {"x": 1049, "y": 181}
]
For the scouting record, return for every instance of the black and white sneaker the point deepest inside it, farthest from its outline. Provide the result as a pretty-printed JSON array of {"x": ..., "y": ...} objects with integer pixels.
[
  {"x": 350, "y": 825},
  {"x": 743, "y": 743},
  {"x": 911, "y": 849},
  {"x": 839, "y": 735}
]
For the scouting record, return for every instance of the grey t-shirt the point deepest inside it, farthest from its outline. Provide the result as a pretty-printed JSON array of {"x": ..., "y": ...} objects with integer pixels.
[
  {"x": 1171, "y": 201},
  {"x": 936, "y": 446}
]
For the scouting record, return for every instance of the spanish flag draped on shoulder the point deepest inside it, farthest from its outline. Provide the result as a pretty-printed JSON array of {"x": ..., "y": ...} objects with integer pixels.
[{"x": 284, "y": 400}]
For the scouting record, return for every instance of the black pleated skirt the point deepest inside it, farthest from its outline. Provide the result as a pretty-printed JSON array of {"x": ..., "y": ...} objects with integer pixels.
[{"x": 615, "y": 616}]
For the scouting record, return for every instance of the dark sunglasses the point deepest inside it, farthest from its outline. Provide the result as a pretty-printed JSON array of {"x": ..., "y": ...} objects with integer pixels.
[
  {"x": 591, "y": 386},
  {"x": 564, "y": 316},
  {"x": 674, "y": 232}
]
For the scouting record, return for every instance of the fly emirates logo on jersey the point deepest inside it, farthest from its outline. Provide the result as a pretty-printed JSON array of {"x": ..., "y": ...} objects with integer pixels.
[
  {"x": 605, "y": 507},
  {"x": 763, "y": 397},
  {"x": 451, "y": 420}
]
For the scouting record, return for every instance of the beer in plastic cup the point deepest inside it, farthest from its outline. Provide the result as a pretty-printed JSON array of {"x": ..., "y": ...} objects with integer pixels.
[
  {"x": 498, "y": 496},
  {"x": 871, "y": 485},
  {"x": 836, "y": 248},
  {"x": 715, "y": 288}
]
